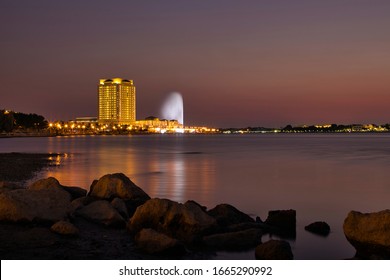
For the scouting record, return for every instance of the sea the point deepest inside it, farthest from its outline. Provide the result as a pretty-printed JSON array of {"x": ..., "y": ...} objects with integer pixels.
[{"x": 321, "y": 176}]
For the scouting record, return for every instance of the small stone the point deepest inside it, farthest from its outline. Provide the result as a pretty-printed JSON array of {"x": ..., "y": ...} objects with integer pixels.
[
  {"x": 320, "y": 228},
  {"x": 65, "y": 228}
]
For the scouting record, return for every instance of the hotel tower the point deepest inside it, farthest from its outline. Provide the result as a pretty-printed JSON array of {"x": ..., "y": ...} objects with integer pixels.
[{"x": 116, "y": 101}]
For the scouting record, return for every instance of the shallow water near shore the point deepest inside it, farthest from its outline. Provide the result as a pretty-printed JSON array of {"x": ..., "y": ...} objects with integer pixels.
[{"x": 322, "y": 176}]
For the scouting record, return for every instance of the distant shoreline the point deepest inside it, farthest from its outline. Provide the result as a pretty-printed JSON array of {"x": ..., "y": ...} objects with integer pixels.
[{"x": 224, "y": 132}]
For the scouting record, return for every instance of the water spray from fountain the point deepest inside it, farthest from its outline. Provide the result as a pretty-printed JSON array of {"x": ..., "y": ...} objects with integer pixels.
[{"x": 172, "y": 109}]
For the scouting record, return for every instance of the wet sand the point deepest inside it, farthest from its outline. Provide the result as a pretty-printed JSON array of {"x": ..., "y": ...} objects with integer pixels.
[{"x": 20, "y": 167}]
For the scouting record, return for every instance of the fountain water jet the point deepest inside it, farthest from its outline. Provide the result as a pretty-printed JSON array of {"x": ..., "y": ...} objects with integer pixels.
[{"x": 172, "y": 108}]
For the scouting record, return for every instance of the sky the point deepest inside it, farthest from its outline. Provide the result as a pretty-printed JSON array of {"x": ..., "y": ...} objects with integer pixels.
[{"x": 235, "y": 63}]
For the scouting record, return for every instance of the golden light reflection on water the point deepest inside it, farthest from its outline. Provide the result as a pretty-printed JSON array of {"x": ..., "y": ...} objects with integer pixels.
[{"x": 176, "y": 176}]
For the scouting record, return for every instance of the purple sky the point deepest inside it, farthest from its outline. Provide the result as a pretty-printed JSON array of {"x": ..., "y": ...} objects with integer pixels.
[{"x": 236, "y": 63}]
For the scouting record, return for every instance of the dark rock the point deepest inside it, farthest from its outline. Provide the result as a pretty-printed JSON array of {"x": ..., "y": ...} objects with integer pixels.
[
  {"x": 52, "y": 183},
  {"x": 226, "y": 215},
  {"x": 75, "y": 192},
  {"x": 239, "y": 240},
  {"x": 101, "y": 212},
  {"x": 259, "y": 220},
  {"x": 116, "y": 185},
  {"x": 133, "y": 204},
  {"x": 283, "y": 221},
  {"x": 274, "y": 250},
  {"x": 191, "y": 202},
  {"x": 80, "y": 202},
  {"x": 174, "y": 219},
  {"x": 320, "y": 228},
  {"x": 94, "y": 182},
  {"x": 245, "y": 226},
  {"x": 29, "y": 205},
  {"x": 152, "y": 242},
  {"x": 64, "y": 228},
  {"x": 369, "y": 233},
  {"x": 120, "y": 206}
]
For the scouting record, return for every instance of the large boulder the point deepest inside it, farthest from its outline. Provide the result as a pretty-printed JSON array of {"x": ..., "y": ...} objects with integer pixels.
[
  {"x": 239, "y": 240},
  {"x": 41, "y": 205},
  {"x": 369, "y": 233},
  {"x": 171, "y": 218},
  {"x": 116, "y": 185},
  {"x": 227, "y": 215},
  {"x": 101, "y": 212},
  {"x": 283, "y": 221},
  {"x": 320, "y": 228},
  {"x": 152, "y": 242},
  {"x": 52, "y": 183},
  {"x": 274, "y": 250}
]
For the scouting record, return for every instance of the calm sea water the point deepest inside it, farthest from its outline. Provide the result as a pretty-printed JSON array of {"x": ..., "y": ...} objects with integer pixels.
[{"x": 323, "y": 177}]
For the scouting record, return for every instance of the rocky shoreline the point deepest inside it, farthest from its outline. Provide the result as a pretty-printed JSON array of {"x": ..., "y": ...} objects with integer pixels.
[{"x": 117, "y": 220}]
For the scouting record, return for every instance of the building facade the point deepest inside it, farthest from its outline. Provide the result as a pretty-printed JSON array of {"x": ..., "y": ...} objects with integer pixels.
[
  {"x": 116, "y": 102},
  {"x": 153, "y": 124}
]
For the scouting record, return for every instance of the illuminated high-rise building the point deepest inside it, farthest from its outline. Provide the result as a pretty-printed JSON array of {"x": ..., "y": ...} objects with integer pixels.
[{"x": 116, "y": 101}]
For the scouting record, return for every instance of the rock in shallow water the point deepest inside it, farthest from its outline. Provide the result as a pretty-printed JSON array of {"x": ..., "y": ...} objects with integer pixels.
[
  {"x": 116, "y": 185},
  {"x": 320, "y": 228},
  {"x": 369, "y": 233},
  {"x": 226, "y": 215},
  {"x": 283, "y": 221}
]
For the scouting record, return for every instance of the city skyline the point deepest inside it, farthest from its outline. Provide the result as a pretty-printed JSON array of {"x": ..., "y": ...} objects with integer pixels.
[{"x": 253, "y": 63}]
